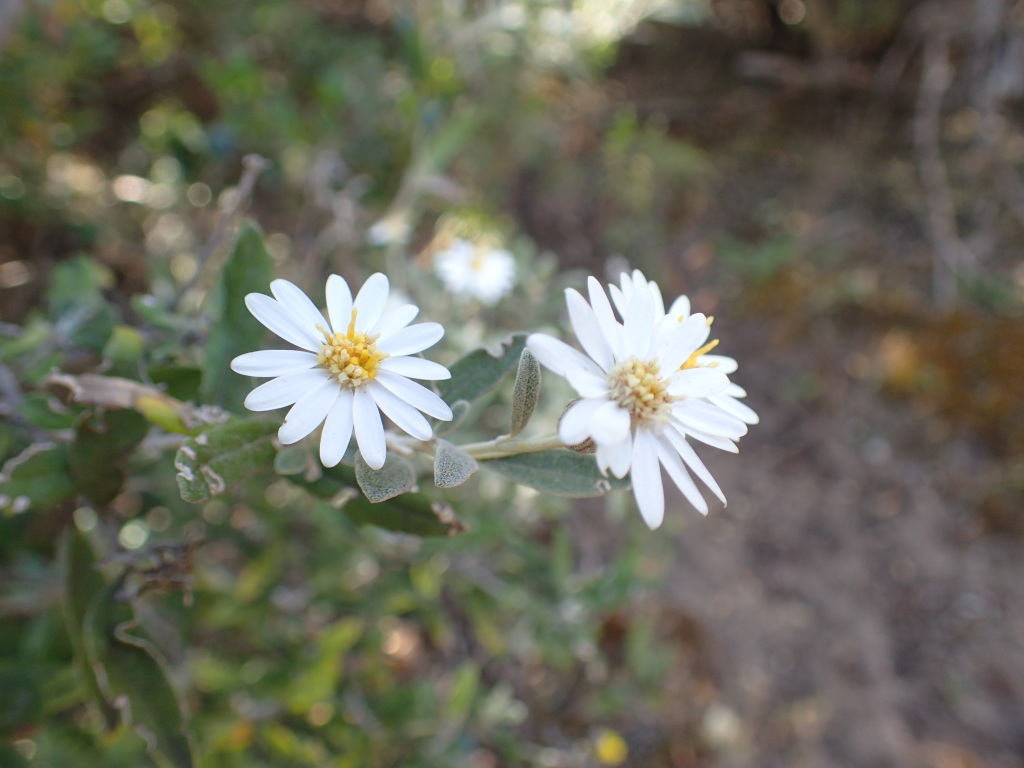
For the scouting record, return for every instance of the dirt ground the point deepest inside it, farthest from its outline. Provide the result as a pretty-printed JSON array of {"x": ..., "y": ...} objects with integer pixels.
[{"x": 859, "y": 602}]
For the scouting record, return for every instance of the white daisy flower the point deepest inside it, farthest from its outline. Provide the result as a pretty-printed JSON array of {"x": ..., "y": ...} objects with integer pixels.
[
  {"x": 348, "y": 371},
  {"x": 475, "y": 271},
  {"x": 680, "y": 310},
  {"x": 640, "y": 398}
]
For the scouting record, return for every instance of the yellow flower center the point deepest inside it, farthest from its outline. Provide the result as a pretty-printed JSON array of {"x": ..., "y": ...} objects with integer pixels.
[
  {"x": 351, "y": 356},
  {"x": 637, "y": 386}
]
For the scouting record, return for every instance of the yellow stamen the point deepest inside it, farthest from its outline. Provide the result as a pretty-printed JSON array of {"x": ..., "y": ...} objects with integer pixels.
[
  {"x": 352, "y": 357},
  {"x": 637, "y": 386},
  {"x": 691, "y": 361}
]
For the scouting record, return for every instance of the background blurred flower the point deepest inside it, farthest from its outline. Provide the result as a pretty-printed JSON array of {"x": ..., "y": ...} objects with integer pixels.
[{"x": 475, "y": 271}]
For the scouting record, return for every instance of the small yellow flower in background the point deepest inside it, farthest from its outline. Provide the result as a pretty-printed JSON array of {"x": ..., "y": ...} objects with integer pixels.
[{"x": 610, "y": 748}]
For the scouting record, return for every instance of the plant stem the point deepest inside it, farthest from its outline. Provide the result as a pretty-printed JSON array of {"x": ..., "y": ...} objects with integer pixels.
[{"x": 511, "y": 446}]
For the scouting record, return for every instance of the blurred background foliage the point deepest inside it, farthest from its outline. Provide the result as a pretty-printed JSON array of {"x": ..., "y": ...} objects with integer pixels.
[{"x": 796, "y": 162}]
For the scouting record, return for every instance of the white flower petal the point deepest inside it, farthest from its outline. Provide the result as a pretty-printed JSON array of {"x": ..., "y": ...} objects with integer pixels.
[
  {"x": 369, "y": 428},
  {"x": 676, "y": 470},
  {"x": 298, "y": 303},
  {"x": 683, "y": 341},
  {"x": 723, "y": 443},
  {"x": 370, "y": 302},
  {"x": 586, "y": 383},
  {"x": 339, "y": 303},
  {"x": 697, "y": 382},
  {"x": 395, "y": 320},
  {"x": 721, "y": 363},
  {"x": 400, "y": 412},
  {"x": 416, "y": 368},
  {"x": 735, "y": 408},
  {"x": 615, "y": 458},
  {"x": 558, "y": 356},
  {"x": 619, "y": 298},
  {"x": 680, "y": 308},
  {"x": 645, "y": 474},
  {"x": 574, "y": 426},
  {"x": 687, "y": 454},
  {"x": 638, "y": 325},
  {"x": 588, "y": 330},
  {"x": 272, "y": 362},
  {"x": 283, "y": 322},
  {"x": 735, "y": 390},
  {"x": 610, "y": 328},
  {"x": 415, "y": 395},
  {"x": 308, "y": 412},
  {"x": 413, "y": 339},
  {"x": 285, "y": 390},
  {"x": 337, "y": 431},
  {"x": 703, "y": 416},
  {"x": 610, "y": 424}
]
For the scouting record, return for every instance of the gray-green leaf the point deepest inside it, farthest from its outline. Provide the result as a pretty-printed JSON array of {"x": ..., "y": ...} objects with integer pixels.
[
  {"x": 452, "y": 465},
  {"x": 393, "y": 479},
  {"x": 220, "y": 458},
  {"x": 560, "y": 472},
  {"x": 480, "y": 371},
  {"x": 526, "y": 392}
]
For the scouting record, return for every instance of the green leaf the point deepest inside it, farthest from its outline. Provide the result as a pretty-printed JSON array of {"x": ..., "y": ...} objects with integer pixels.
[
  {"x": 291, "y": 460},
  {"x": 37, "y": 478},
  {"x": 526, "y": 392},
  {"x": 123, "y": 352},
  {"x": 21, "y": 706},
  {"x": 82, "y": 317},
  {"x": 460, "y": 410},
  {"x": 318, "y": 681},
  {"x": 413, "y": 513},
  {"x": 134, "y": 678},
  {"x": 249, "y": 269},
  {"x": 179, "y": 381},
  {"x": 480, "y": 371},
  {"x": 560, "y": 472},
  {"x": 83, "y": 583},
  {"x": 396, "y": 477},
  {"x": 452, "y": 465},
  {"x": 101, "y": 441},
  {"x": 221, "y": 457},
  {"x": 47, "y": 413}
]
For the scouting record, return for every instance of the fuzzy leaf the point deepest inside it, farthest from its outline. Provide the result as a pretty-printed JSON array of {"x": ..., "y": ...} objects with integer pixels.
[
  {"x": 526, "y": 392},
  {"x": 452, "y": 465},
  {"x": 291, "y": 460},
  {"x": 393, "y": 479},
  {"x": 411, "y": 513},
  {"x": 560, "y": 472},
  {"x": 249, "y": 269},
  {"x": 37, "y": 478},
  {"x": 221, "y": 457},
  {"x": 480, "y": 371},
  {"x": 460, "y": 410}
]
